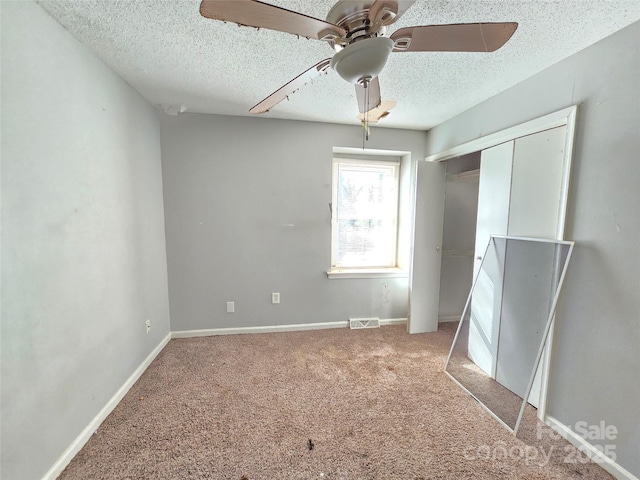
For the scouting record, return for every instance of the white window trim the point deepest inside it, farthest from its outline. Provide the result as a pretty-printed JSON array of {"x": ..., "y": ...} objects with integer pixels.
[
  {"x": 364, "y": 272},
  {"x": 387, "y": 272}
]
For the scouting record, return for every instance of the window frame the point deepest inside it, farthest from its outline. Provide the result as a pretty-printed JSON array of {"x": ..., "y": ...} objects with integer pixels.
[{"x": 372, "y": 271}]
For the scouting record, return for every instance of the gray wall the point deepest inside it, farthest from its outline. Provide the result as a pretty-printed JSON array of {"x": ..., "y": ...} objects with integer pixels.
[
  {"x": 83, "y": 251},
  {"x": 595, "y": 371},
  {"x": 247, "y": 214}
]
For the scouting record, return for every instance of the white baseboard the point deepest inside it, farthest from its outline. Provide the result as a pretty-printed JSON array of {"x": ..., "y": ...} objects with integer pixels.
[
  {"x": 89, "y": 430},
  {"x": 392, "y": 321},
  {"x": 450, "y": 318},
  {"x": 275, "y": 328},
  {"x": 593, "y": 453}
]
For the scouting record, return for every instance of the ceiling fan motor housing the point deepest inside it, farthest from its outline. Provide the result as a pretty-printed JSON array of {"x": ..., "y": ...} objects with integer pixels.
[{"x": 362, "y": 61}]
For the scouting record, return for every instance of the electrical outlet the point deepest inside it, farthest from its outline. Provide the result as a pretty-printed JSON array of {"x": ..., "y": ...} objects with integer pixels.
[
  {"x": 148, "y": 325},
  {"x": 231, "y": 307},
  {"x": 275, "y": 297}
]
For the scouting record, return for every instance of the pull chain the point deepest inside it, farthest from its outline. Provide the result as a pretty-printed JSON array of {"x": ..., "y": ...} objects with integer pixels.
[
  {"x": 366, "y": 115},
  {"x": 365, "y": 125}
]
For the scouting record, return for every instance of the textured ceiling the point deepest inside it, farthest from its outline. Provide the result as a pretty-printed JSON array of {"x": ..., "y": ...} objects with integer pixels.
[{"x": 173, "y": 56}]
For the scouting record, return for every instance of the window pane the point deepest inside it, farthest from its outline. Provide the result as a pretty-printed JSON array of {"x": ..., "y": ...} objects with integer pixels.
[
  {"x": 367, "y": 197},
  {"x": 366, "y": 192},
  {"x": 365, "y": 243}
]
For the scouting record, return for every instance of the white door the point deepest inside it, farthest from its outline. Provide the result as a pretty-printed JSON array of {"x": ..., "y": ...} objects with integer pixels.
[
  {"x": 520, "y": 194},
  {"x": 535, "y": 207},
  {"x": 494, "y": 192},
  {"x": 493, "y": 219},
  {"x": 537, "y": 184},
  {"x": 424, "y": 290}
]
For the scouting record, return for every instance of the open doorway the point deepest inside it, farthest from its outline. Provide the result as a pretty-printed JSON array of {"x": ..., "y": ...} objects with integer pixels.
[{"x": 459, "y": 235}]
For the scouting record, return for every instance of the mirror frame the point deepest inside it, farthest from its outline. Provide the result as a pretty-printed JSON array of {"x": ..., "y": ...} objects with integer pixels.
[{"x": 545, "y": 334}]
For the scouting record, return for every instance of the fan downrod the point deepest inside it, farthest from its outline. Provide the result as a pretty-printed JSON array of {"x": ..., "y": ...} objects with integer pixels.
[{"x": 353, "y": 16}]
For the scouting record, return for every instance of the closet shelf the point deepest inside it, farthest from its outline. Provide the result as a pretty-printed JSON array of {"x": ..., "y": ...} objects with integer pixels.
[{"x": 468, "y": 176}]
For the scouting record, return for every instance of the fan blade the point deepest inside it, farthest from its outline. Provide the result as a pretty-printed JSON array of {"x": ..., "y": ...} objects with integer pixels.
[
  {"x": 385, "y": 12},
  {"x": 262, "y": 15},
  {"x": 462, "y": 37},
  {"x": 374, "y": 95},
  {"x": 291, "y": 87},
  {"x": 376, "y": 114}
]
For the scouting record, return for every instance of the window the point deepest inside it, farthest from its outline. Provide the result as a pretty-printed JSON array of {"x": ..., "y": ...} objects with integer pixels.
[{"x": 364, "y": 223}]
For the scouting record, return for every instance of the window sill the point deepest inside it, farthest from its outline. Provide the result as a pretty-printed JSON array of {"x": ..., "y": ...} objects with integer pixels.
[{"x": 367, "y": 273}]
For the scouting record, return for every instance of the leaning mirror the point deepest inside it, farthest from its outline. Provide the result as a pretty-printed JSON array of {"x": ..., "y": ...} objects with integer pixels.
[{"x": 505, "y": 323}]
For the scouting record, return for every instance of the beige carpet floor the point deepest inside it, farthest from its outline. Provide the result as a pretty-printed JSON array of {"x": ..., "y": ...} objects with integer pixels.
[{"x": 325, "y": 404}]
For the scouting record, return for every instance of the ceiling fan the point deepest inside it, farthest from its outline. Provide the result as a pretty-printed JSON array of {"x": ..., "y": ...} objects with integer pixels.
[{"x": 356, "y": 30}]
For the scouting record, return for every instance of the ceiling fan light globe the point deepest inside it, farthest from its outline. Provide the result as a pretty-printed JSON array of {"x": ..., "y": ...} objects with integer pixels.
[{"x": 363, "y": 59}]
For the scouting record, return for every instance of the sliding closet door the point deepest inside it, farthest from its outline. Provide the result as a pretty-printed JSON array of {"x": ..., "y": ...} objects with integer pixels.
[
  {"x": 520, "y": 194},
  {"x": 493, "y": 219},
  {"x": 536, "y": 207},
  {"x": 536, "y": 186},
  {"x": 494, "y": 192}
]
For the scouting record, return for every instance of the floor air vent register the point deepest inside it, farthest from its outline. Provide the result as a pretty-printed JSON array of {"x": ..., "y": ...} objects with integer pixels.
[{"x": 357, "y": 323}]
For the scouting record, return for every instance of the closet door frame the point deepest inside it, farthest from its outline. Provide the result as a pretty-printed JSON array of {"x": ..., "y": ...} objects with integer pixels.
[{"x": 566, "y": 116}]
